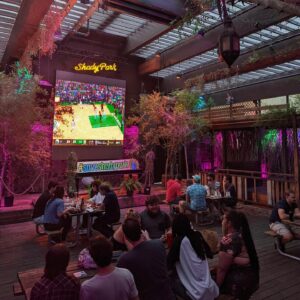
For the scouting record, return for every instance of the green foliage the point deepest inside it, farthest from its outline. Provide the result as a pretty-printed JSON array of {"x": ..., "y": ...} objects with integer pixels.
[
  {"x": 22, "y": 146},
  {"x": 131, "y": 185},
  {"x": 277, "y": 117}
]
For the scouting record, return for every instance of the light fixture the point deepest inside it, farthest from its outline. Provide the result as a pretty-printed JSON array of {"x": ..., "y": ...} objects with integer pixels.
[
  {"x": 157, "y": 54},
  {"x": 178, "y": 76},
  {"x": 229, "y": 43}
]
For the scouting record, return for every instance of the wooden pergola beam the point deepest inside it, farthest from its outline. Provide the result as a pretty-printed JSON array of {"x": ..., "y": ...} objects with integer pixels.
[
  {"x": 196, "y": 45},
  {"x": 262, "y": 63},
  {"x": 280, "y": 6}
]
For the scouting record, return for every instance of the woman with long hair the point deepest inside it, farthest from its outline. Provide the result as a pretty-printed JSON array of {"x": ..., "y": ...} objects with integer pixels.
[
  {"x": 56, "y": 216},
  {"x": 238, "y": 266},
  {"x": 188, "y": 260},
  {"x": 55, "y": 283}
]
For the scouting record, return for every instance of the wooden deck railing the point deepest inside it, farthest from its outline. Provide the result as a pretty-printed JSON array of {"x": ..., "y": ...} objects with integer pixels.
[
  {"x": 247, "y": 111},
  {"x": 251, "y": 185}
]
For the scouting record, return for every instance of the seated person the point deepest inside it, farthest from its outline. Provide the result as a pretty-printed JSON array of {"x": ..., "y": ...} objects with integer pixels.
[
  {"x": 146, "y": 260},
  {"x": 96, "y": 200},
  {"x": 218, "y": 193},
  {"x": 110, "y": 282},
  {"x": 118, "y": 238},
  {"x": 155, "y": 221},
  {"x": 187, "y": 259},
  {"x": 56, "y": 216},
  {"x": 229, "y": 192},
  {"x": 284, "y": 210},
  {"x": 40, "y": 204},
  {"x": 111, "y": 209},
  {"x": 195, "y": 196},
  {"x": 238, "y": 266},
  {"x": 55, "y": 283},
  {"x": 96, "y": 197},
  {"x": 173, "y": 191},
  {"x": 211, "y": 184}
]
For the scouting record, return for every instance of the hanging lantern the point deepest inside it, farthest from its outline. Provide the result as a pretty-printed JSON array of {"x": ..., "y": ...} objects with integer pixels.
[{"x": 229, "y": 43}]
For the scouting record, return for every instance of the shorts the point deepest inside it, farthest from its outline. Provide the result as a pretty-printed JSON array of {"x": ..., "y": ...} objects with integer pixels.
[
  {"x": 280, "y": 228},
  {"x": 188, "y": 206},
  {"x": 39, "y": 220}
]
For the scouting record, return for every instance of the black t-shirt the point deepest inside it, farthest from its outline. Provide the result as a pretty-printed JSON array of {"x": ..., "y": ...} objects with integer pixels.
[
  {"x": 40, "y": 204},
  {"x": 147, "y": 263},
  {"x": 283, "y": 204},
  {"x": 112, "y": 208}
]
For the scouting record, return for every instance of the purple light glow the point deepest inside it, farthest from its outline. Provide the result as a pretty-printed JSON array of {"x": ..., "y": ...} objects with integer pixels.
[
  {"x": 218, "y": 161},
  {"x": 264, "y": 170}
]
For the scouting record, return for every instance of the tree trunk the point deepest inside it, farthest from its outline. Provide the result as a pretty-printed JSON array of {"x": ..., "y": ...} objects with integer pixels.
[
  {"x": 166, "y": 169},
  {"x": 186, "y": 161}
]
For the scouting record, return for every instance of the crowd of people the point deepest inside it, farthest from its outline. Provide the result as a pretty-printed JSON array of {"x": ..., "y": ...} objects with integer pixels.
[
  {"x": 89, "y": 93},
  {"x": 146, "y": 270}
]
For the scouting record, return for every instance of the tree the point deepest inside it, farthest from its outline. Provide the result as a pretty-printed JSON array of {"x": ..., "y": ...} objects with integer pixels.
[
  {"x": 24, "y": 127},
  {"x": 169, "y": 122}
]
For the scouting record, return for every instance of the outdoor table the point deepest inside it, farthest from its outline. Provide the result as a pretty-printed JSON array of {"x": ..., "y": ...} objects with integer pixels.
[{"x": 90, "y": 214}]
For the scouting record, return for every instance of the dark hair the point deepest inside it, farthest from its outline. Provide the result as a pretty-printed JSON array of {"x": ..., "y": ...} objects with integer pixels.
[
  {"x": 229, "y": 178},
  {"x": 132, "y": 229},
  {"x": 181, "y": 228},
  {"x": 57, "y": 260},
  {"x": 59, "y": 192},
  {"x": 105, "y": 187},
  {"x": 151, "y": 201},
  {"x": 240, "y": 223},
  {"x": 96, "y": 185},
  {"x": 179, "y": 177},
  {"x": 101, "y": 251},
  {"x": 211, "y": 175},
  {"x": 52, "y": 184}
]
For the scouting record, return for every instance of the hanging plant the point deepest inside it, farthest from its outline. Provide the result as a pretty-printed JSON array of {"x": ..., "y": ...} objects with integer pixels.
[{"x": 43, "y": 42}]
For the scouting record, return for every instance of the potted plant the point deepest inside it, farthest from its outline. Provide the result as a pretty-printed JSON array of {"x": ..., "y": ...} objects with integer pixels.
[{"x": 131, "y": 184}]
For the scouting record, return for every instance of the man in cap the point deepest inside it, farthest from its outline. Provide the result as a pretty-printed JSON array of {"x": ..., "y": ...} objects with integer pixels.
[{"x": 195, "y": 196}]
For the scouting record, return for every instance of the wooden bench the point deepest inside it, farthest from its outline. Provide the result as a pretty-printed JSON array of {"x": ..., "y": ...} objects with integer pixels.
[
  {"x": 17, "y": 290},
  {"x": 53, "y": 233}
]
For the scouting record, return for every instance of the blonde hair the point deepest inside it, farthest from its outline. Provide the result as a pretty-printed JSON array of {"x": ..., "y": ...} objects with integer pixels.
[{"x": 132, "y": 214}]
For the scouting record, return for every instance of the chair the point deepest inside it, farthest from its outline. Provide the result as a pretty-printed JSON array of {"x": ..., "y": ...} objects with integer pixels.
[
  {"x": 54, "y": 233},
  {"x": 200, "y": 217}
]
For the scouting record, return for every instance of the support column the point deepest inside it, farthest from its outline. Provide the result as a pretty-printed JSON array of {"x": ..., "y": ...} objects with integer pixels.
[{"x": 296, "y": 159}]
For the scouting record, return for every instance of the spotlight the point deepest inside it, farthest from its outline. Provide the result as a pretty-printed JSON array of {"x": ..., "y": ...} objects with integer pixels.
[
  {"x": 178, "y": 76},
  {"x": 85, "y": 1},
  {"x": 157, "y": 54}
]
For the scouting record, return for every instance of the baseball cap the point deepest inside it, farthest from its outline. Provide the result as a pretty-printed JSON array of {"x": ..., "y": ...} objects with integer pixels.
[{"x": 197, "y": 178}]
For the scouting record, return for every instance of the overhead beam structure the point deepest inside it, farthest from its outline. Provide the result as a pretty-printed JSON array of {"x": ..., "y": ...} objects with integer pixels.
[
  {"x": 252, "y": 20},
  {"x": 27, "y": 22}
]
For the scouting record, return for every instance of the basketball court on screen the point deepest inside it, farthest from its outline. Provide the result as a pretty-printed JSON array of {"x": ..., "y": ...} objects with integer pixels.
[{"x": 87, "y": 124}]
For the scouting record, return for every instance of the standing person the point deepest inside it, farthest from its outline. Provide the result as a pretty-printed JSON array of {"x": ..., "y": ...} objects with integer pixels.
[
  {"x": 102, "y": 106},
  {"x": 146, "y": 260},
  {"x": 110, "y": 282},
  {"x": 40, "y": 204},
  {"x": 284, "y": 210},
  {"x": 238, "y": 266},
  {"x": 188, "y": 260},
  {"x": 55, "y": 283},
  {"x": 100, "y": 116},
  {"x": 211, "y": 184},
  {"x": 195, "y": 196},
  {"x": 56, "y": 216},
  {"x": 155, "y": 221},
  {"x": 111, "y": 209},
  {"x": 229, "y": 191},
  {"x": 174, "y": 190}
]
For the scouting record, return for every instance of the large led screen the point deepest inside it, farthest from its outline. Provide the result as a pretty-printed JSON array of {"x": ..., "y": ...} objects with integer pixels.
[{"x": 88, "y": 114}]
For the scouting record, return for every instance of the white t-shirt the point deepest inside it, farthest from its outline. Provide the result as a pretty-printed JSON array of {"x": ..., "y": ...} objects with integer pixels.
[
  {"x": 97, "y": 199},
  {"x": 194, "y": 274},
  {"x": 117, "y": 285}
]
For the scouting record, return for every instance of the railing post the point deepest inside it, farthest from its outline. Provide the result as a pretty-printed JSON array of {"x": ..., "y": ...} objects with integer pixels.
[
  {"x": 269, "y": 192},
  {"x": 296, "y": 159},
  {"x": 255, "y": 193}
]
